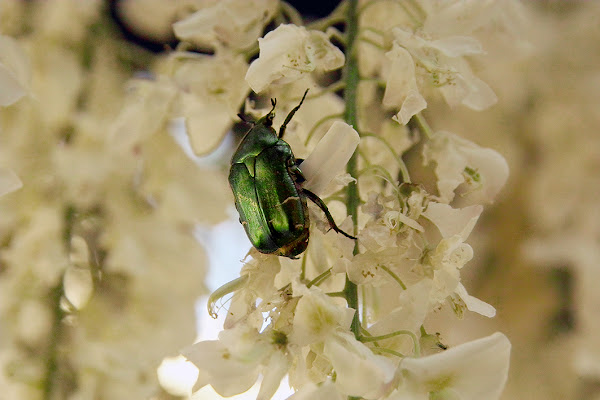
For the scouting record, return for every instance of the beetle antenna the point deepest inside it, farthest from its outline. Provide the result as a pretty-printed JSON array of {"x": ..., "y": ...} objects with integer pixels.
[
  {"x": 321, "y": 204},
  {"x": 290, "y": 115}
]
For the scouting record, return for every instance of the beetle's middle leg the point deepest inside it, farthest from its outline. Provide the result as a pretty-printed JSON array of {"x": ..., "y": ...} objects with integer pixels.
[{"x": 321, "y": 204}]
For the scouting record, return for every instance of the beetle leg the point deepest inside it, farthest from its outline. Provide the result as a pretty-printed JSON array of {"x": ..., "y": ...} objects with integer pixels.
[
  {"x": 290, "y": 115},
  {"x": 321, "y": 204}
]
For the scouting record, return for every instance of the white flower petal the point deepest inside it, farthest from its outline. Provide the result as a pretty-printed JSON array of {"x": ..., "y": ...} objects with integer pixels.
[
  {"x": 474, "y": 304},
  {"x": 274, "y": 372},
  {"x": 145, "y": 113},
  {"x": 467, "y": 89},
  {"x": 206, "y": 123},
  {"x": 9, "y": 181},
  {"x": 330, "y": 156},
  {"x": 456, "y": 46},
  {"x": 410, "y": 222},
  {"x": 359, "y": 372},
  {"x": 413, "y": 104},
  {"x": 15, "y": 71},
  {"x": 219, "y": 368},
  {"x": 413, "y": 305},
  {"x": 452, "y": 221},
  {"x": 401, "y": 86},
  {"x": 322, "y": 53},
  {"x": 475, "y": 370},
  {"x": 316, "y": 317}
]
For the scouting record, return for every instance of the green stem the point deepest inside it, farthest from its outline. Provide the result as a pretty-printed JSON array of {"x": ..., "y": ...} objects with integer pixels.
[
  {"x": 56, "y": 333},
  {"x": 293, "y": 15},
  {"x": 417, "y": 350},
  {"x": 336, "y": 16},
  {"x": 52, "y": 368},
  {"x": 423, "y": 125},
  {"x": 319, "y": 123},
  {"x": 397, "y": 157},
  {"x": 388, "y": 351},
  {"x": 394, "y": 276},
  {"x": 319, "y": 279},
  {"x": 351, "y": 77}
]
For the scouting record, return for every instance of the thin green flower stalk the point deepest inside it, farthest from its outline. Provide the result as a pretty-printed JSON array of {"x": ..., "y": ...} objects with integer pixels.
[{"x": 351, "y": 78}]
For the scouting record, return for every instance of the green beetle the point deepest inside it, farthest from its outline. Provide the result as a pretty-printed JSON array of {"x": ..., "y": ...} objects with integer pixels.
[{"x": 267, "y": 187}]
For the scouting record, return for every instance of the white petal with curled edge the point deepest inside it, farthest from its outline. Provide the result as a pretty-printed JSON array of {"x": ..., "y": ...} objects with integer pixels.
[
  {"x": 474, "y": 304},
  {"x": 453, "y": 221},
  {"x": 9, "y": 181},
  {"x": 329, "y": 157},
  {"x": 413, "y": 104},
  {"x": 401, "y": 86}
]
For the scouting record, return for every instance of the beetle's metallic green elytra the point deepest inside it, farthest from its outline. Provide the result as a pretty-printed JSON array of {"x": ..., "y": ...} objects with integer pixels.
[{"x": 267, "y": 187}]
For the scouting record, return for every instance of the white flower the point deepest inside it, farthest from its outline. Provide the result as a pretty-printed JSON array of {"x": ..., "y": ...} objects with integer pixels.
[
  {"x": 442, "y": 64},
  {"x": 232, "y": 23},
  {"x": 463, "y": 167},
  {"x": 205, "y": 90},
  {"x": 144, "y": 113},
  {"x": 401, "y": 86},
  {"x": 289, "y": 53},
  {"x": 211, "y": 90},
  {"x": 471, "y": 371},
  {"x": 447, "y": 259},
  {"x": 359, "y": 372},
  {"x": 317, "y": 317},
  {"x": 232, "y": 364},
  {"x": 15, "y": 71},
  {"x": 409, "y": 314}
]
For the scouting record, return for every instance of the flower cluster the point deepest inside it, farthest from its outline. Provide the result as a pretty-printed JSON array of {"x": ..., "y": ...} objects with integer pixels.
[
  {"x": 98, "y": 256},
  {"x": 99, "y": 267},
  {"x": 348, "y": 318}
]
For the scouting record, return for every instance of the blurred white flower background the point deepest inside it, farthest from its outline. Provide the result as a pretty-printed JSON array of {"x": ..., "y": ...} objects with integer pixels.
[{"x": 473, "y": 195}]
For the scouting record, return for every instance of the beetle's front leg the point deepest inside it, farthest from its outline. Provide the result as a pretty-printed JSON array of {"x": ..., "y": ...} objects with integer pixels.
[{"x": 321, "y": 204}]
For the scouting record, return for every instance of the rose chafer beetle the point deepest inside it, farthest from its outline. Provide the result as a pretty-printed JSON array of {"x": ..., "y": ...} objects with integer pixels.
[{"x": 267, "y": 186}]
